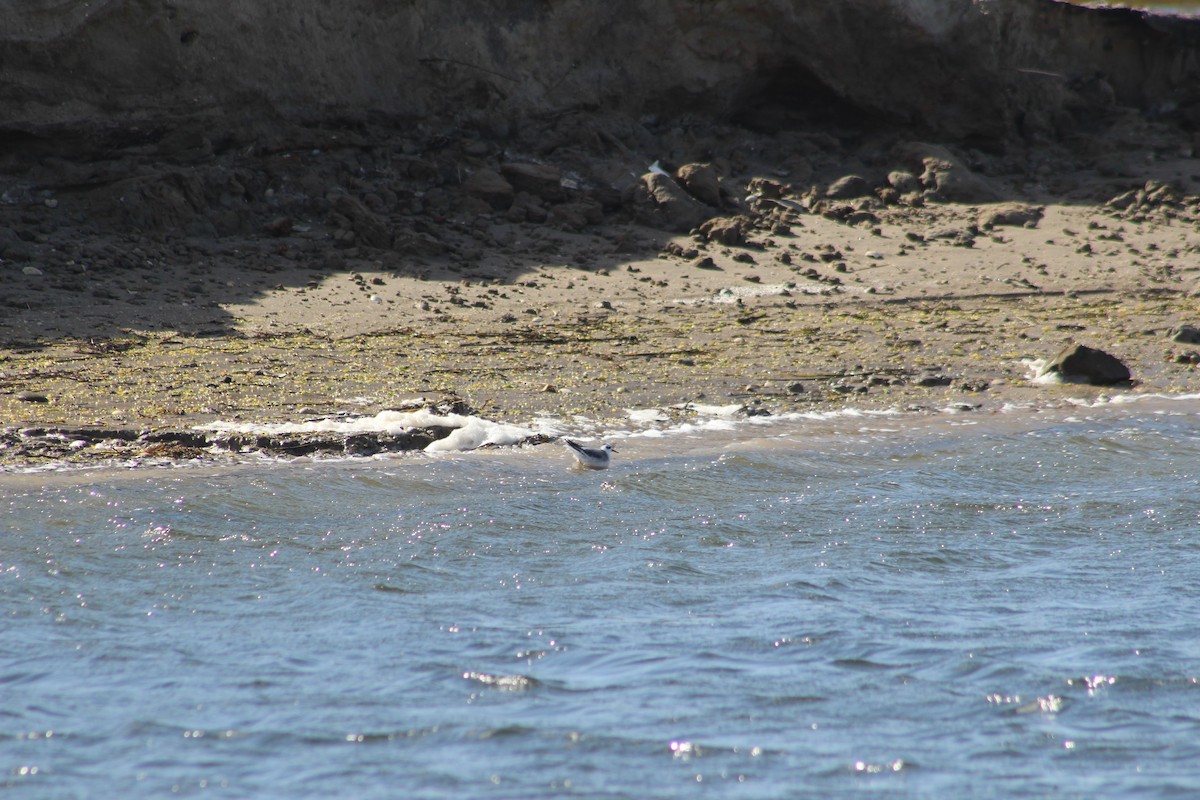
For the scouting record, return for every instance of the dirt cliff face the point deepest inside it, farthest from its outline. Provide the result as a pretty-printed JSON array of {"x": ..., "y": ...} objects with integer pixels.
[{"x": 959, "y": 68}]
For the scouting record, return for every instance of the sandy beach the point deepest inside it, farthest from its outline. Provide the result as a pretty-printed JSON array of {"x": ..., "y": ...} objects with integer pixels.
[{"x": 590, "y": 297}]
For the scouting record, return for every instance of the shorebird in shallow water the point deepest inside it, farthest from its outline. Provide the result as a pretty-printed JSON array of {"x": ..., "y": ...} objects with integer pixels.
[{"x": 591, "y": 457}]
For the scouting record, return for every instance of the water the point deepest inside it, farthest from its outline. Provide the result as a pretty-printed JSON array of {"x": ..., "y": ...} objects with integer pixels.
[{"x": 920, "y": 607}]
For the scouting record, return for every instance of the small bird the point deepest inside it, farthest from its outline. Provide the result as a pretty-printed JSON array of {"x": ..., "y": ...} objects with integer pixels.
[{"x": 591, "y": 457}]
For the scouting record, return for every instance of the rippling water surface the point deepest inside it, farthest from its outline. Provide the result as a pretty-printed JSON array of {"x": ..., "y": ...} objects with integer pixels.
[{"x": 948, "y": 608}]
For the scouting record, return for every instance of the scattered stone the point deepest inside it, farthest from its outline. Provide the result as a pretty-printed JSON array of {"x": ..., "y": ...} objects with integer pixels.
[
  {"x": 795, "y": 388},
  {"x": 930, "y": 381},
  {"x": 32, "y": 397},
  {"x": 677, "y": 249},
  {"x": 1081, "y": 364}
]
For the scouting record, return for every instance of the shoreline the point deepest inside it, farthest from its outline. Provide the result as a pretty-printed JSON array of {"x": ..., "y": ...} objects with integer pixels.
[
  {"x": 644, "y": 434},
  {"x": 788, "y": 298}
]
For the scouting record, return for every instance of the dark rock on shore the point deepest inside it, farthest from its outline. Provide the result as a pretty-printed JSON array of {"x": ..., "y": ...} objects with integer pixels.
[
  {"x": 1078, "y": 363},
  {"x": 1185, "y": 334},
  {"x": 668, "y": 205}
]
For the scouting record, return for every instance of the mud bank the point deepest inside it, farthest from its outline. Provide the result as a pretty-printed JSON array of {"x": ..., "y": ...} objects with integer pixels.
[{"x": 89, "y": 75}]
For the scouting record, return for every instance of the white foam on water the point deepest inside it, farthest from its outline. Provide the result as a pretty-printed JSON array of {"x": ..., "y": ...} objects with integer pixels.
[
  {"x": 1036, "y": 371},
  {"x": 470, "y": 431}
]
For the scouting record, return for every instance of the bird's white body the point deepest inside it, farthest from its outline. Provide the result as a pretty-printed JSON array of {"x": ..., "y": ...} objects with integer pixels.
[{"x": 591, "y": 457}]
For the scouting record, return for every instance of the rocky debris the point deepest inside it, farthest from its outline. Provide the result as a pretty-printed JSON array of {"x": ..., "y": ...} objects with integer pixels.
[
  {"x": 1078, "y": 363},
  {"x": 1015, "y": 214},
  {"x": 1153, "y": 196}
]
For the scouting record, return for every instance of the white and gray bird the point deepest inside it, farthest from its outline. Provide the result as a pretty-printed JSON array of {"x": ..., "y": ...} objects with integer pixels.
[{"x": 591, "y": 457}]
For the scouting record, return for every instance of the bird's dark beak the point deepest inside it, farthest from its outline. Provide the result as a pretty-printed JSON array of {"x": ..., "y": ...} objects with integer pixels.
[{"x": 613, "y": 450}]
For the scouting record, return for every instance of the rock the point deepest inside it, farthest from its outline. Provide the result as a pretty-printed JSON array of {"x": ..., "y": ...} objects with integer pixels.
[
  {"x": 1185, "y": 334},
  {"x": 848, "y": 186},
  {"x": 679, "y": 211},
  {"x": 1081, "y": 364},
  {"x": 490, "y": 187},
  {"x": 730, "y": 231},
  {"x": 903, "y": 181},
  {"x": 701, "y": 182},
  {"x": 1018, "y": 214},
  {"x": 537, "y": 179},
  {"x": 765, "y": 187},
  {"x": 959, "y": 237},
  {"x": 32, "y": 397}
]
